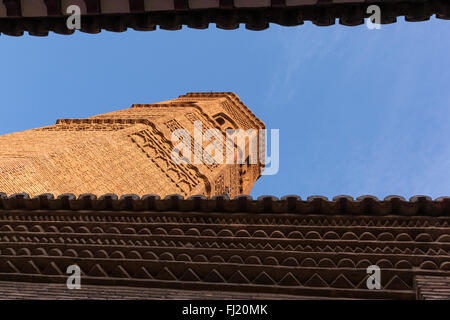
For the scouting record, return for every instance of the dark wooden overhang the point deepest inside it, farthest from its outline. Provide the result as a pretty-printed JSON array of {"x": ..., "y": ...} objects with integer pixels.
[{"x": 38, "y": 17}]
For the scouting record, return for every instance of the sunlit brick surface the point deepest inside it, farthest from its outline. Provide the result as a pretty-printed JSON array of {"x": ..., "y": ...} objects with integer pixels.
[{"x": 127, "y": 151}]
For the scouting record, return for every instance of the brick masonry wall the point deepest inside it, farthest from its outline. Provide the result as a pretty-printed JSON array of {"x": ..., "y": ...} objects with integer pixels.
[{"x": 125, "y": 151}]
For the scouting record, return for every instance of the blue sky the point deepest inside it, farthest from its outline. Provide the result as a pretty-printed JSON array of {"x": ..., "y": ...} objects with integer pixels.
[{"x": 359, "y": 111}]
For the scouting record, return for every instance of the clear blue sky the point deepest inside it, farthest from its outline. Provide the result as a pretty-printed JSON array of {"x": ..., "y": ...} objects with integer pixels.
[{"x": 359, "y": 111}]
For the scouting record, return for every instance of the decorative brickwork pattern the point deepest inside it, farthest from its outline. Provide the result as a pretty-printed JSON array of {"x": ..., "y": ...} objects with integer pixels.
[
  {"x": 125, "y": 151},
  {"x": 316, "y": 248}
]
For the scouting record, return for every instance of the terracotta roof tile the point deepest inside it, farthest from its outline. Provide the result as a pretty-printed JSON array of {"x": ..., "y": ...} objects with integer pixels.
[
  {"x": 364, "y": 205},
  {"x": 432, "y": 287},
  {"x": 38, "y": 17},
  {"x": 49, "y": 291}
]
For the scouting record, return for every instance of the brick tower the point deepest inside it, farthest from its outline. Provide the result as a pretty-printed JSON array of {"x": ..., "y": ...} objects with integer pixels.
[{"x": 129, "y": 151}]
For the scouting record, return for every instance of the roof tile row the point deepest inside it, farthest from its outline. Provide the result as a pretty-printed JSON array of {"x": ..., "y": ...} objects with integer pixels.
[
  {"x": 38, "y": 17},
  {"x": 51, "y": 291},
  {"x": 364, "y": 205},
  {"x": 432, "y": 287}
]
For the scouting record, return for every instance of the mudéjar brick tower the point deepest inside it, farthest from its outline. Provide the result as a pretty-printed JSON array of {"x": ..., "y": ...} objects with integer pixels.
[{"x": 129, "y": 151}]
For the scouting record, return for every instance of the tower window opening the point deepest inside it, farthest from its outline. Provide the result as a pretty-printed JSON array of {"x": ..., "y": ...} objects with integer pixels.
[{"x": 220, "y": 121}]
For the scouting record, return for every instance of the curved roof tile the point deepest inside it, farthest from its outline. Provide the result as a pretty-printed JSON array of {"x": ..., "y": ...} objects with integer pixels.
[{"x": 39, "y": 17}]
